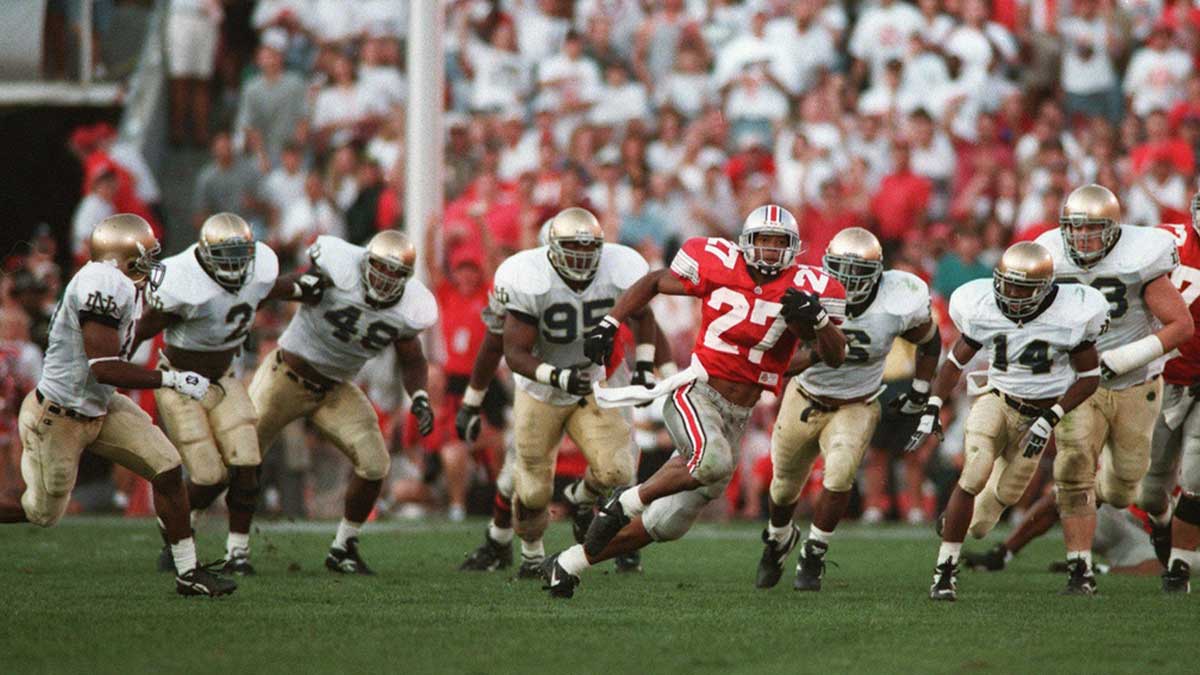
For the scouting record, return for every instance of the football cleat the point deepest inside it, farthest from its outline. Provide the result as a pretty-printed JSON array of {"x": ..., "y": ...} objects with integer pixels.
[
  {"x": 609, "y": 520},
  {"x": 1080, "y": 580},
  {"x": 581, "y": 519},
  {"x": 1177, "y": 578},
  {"x": 811, "y": 566},
  {"x": 201, "y": 581},
  {"x": 489, "y": 557},
  {"x": 770, "y": 565},
  {"x": 992, "y": 560},
  {"x": 629, "y": 563},
  {"x": 945, "y": 582},
  {"x": 347, "y": 560},
  {"x": 531, "y": 568},
  {"x": 166, "y": 561},
  {"x": 1160, "y": 539},
  {"x": 558, "y": 582},
  {"x": 237, "y": 563}
]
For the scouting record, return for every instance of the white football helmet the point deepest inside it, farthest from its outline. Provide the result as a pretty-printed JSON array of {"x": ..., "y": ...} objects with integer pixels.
[
  {"x": 1196, "y": 212},
  {"x": 771, "y": 219}
]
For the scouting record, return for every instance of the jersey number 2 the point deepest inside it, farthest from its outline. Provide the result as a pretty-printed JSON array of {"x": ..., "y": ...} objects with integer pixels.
[{"x": 764, "y": 311}]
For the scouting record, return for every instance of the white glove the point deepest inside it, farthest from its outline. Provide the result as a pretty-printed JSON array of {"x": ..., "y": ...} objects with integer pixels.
[
  {"x": 193, "y": 385},
  {"x": 1039, "y": 431}
]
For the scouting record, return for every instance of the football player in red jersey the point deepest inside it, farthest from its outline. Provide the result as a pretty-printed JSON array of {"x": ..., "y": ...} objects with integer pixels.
[
  {"x": 758, "y": 303},
  {"x": 1175, "y": 450}
]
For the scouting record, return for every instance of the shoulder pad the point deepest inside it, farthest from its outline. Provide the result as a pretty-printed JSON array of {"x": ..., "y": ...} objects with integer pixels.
[
  {"x": 903, "y": 293},
  {"x": 337, "y": 259},
  {"x": 101, "y": 288},
  {"x": 524, "y": 272},
  {"x": 266, "y": 264},
  {"x": 418, "y": 307},
  {"x": 625, "y": 265}
]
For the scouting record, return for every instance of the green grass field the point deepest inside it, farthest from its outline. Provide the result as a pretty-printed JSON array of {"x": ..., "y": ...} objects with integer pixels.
[{"x": 82, "y": 597}]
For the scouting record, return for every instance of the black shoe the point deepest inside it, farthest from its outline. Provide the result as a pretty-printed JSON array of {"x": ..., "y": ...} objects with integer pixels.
[
  {"x": 1160, "y": 539},
  {"x": 939, "y": 523},
  {"x": 629, "y": 563},
  {"x": 489, "y": 557},
  {"x": 201, "y": 581},
  {"x": 531, "y": 568},
  {"x": 608, "y": 522},
  {"x": 770, "y": 565},
  {"x": 238, "y": 564},
  {"x": 992, "y": 560},
  {"x": 558, "y": 582},
  {"x": 581, "y": 514},
  {"x": 1080, "y": 581},
  {"x": 945, "y": 581},
  {"x": 166, "y": 561},
  {"x": 347, "y": 561},
  {"x": 811, "y": 567},
  {"x": 1177, "y": 578}
]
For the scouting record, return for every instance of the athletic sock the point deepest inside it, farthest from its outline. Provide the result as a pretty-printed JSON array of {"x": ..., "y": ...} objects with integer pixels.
[
  {"x": 345, "y": 532},
  {"x": 779, "y": 535},
  {"x": 580, "y": 493},
  {"x": 500, "y": 535},
  {"x": 949, "y": 551},
  {"x": 533, "y": 550},
  {"x": 184, "y": 553},
  {"x": 237, "y": 541},
  {"x": 573, "y": 560},
  {"x": 1189, "y": 557},
  {"x": 1085, "y": 556},
  {"x": 817, "y": 534},
  {"x": 631, "y": 501}
]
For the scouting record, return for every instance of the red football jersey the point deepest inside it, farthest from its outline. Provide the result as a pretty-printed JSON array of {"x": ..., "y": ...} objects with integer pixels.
[
  {"x": 462, "y": 328},
  {"x": 1185, "y": 368},
  {"x": 742, "y": 338}
]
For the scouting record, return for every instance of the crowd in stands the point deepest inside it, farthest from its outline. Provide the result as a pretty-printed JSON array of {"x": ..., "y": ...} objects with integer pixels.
[{"x": 950, "y": 128}]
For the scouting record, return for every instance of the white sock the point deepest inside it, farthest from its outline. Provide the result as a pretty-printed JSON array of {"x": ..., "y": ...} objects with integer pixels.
[
  {"x": 580, "y": 493},
  {"x": 184, "y": 554},
  {"x": 533, "y": 550},
  {"x": 345, "y": 532},
  {"x": 779, "y": 534},
  {"x": 237, "y": 542},
  {"x": 818, "y": 534},
  {"x": 500, "y": 535},
  {"x": 573, "y": 560},
  {"x": 1189, "y": 557},
  {"x": 632, "y": 502},
  {"x": 949, "y": 551},
  {"x": 1085, "y": 556}
]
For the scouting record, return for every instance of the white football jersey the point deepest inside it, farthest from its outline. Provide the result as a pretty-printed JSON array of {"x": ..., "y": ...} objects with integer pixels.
[
  {"x": 1030, "y": 359},
  {"x": 98, "y": 292},
  {"x": 901, "y": 303},
  {"x": 1140, "y": 256},
  {"x": 527, "y": 284},
  {"x": 340, "y": 333},
  {"x": 212, "y": 317}
]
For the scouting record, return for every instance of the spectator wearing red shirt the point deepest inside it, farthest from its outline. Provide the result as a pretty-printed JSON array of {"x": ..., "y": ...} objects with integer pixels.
[
  {"x": 489, "y": 209},
  {"x": 900, "y": 204},
  {"x": 987, "y": 152},
  {"x": 1052, "y": 199},
  {"x": 1160, "y": 143},
  {"x": 753, "y": 158},
  {"x": 1189, "y": 107},
  {"x": 821, "y": 220},
  {"x": 91, "y": 144}
]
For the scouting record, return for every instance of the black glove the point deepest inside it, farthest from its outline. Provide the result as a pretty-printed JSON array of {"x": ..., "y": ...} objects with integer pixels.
[
  {"x": 575, "y": 380},
  {"x": 803, "y": 307},
  {"x": 930, "y": 423},
  {"x": 1039, "y": 432},
  {"x": 598, "y": 343},
  {"x": 423, "y": 411},
  {"x": 1106, "y": 373},
  {"x": 467, "y": 423},
  {"x": 643, "y": 374},
  {"x": 309, "y": 288},
  {"x": 909, "y": 403}
]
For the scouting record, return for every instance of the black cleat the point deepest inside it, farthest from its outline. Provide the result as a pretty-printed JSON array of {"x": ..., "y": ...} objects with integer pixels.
[
  {"x": 201, "y": 581},
  {"x": 1080, "y": 580},
  {"x": 1160, "y": 539},
  {"x": 166, "y": 561},
  {"x": 489, "y": 557},
  {"x": 609, "y": 520},
  {"x": 770, "y": 565},
  {"x": 629, "y": 563},
  {"x": 1177, "y": 578},
  {"x": 531, "y": 568},
  {"x": 558, "y": 582},
  {"x": 992, "y": 560},
  {"x": 238, "y": 564},
  {"x": 581, "y": 519},
  {"x": 347, "y": 561},
  {"x": 811, "y": 566},
  {"x": 945, "y": 582}
]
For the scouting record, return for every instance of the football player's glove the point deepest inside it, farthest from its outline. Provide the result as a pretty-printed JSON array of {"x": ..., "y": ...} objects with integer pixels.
[
  {"x": 423, "y": 411},
  {"x": 930, "y": 423},
  {"x": 309, "y": 288},
  {"x": 1039, "y": 431},
  {"x": 575, "y": 380},
  {"x": 598, "y": 343},
  {"x": 803, "y": 307},
  {"x": 909, "y": 403},
  {"x": 467, "y": 423},
  {"x": 192, "y": 385}
]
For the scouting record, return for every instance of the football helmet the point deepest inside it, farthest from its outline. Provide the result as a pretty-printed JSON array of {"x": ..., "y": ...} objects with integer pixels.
[
  {"x": 855, "y": 258},
  {"x": 1090, "y": 223},
  {"x": 387, "y": 265},
  {"x": 576, "y": 242},
  {"x": 771, "y": 219},
  {"x": 1023, "y": 279},
  {"x": 127, "y": 241},
  {"x": 1195, "y": 209},
  {"x": 226, "y": 248}
]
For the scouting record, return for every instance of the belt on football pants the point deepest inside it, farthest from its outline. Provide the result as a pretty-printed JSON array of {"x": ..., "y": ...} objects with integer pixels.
[
  {"x": 816, "y": 403},
  {"x": 314, "y": 387},
  {"x": 56, "y": 409},
  {"x": 1026, "y": 409}
]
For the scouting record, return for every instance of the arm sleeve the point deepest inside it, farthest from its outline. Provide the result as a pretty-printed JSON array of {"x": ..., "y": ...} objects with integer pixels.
[
  {"x": 513, "y": 290},
  {"x": 687, "y": 266},
  {"x": 1164, "y": 259},
  {"x": 960, "y": 311},
  {"x": 630, "y": 266},
  {"x": 103, "y": 295},
  {"x": 917, "y": 308}
]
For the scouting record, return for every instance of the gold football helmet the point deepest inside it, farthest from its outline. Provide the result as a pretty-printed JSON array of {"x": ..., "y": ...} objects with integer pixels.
[
  {"x": 1023, "y": 279},
  {"x": 1090, "y": 223},
  {"x": 387, "y": 265},
  {"x": 127, "y": 241},
  {"x": 576, "y": 242},
  {"x": 855, "y": 258},
  {"x": 226, "y": 248}
]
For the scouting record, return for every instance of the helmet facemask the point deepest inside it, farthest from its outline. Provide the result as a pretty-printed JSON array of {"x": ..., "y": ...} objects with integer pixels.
[
  {"x": 146, "y": 267},
  {"x": 1019, "y": 297},
  {"x": 1088, "y": 240},
  {"x": 230, "y": 261},
  {"x": 580, "y": 260},
  {"x": 857, "y": 275},
  {"x": 384, "y": 279},
  {"x": 769, "y": 259}
]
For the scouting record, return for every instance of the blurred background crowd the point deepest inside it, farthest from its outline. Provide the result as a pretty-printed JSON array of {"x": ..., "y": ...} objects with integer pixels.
[{"x": 950, "y": 128}]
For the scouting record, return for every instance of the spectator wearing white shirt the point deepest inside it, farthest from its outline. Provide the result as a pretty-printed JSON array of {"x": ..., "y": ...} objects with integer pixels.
[
  {"x": 285, "y": 184},
  {"x": 540, "y": 31},
  {"x": 192, "y": 32},
  {"x": 611, "y": 193},
  {"x": 1160, "y": 193},
  {"x": 1089, "y": 78},
  {"x": 932, "y": 156},
  {"x": 340, "y": 107},
  {"x": 688, "y": 88},
  {"x": 306, "y": 219},
  {"x": 882, "y": 34},
  {"x": 379, "y": 78},
  {"x": 96, "y": 205},
  {"x": 753, "y": 104},
  {"x": 620, "y": 100},
  {"x": 978, "y": 42},
  {"x": 936, "y": 25},
  {"x": 333, "y": 22},
  {"x": 569, "y": 81},
  {"x": 1157, "y": 73},
  {"x": 802, "y": 47},
  {"x": 665, "y": 154},
  {"x": 623, "y": 17},
  {"x": 515, "y": 157},
  {"x": 747, "y": 48},
  {"x": 500, "y": 76}
]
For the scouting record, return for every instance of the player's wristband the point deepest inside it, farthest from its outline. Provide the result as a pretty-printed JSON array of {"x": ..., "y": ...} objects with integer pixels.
[
  {"x": 545, "y": 374},
  {"x": 644, "y": 352},
  {"x": 822, "y": 322},
  {"x": 1094, "y": 372},
  {"x": 419, "y": 394},
  {"x": 935, "y": 401},
  {"x": 920, "y": 386},
  {"x": 473, "y": 397},
  {"x": 1058, "y": 412}
]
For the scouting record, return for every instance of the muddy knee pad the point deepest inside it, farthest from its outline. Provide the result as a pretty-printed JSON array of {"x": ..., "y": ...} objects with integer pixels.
[
  {"x": 1074, "y": 502},
  {"x": 670, "y": 518},
  {"x": 243, "y": 490},
  {"x": 529, "y": 524},
  {"x": 988, "y": 509},
  {"x": 617, "y": 471},
  {"x": 841, "y": 465},
  {"x": 44, "y": 501},
  {"x": 1154, "y": 493},
  {"x": 533, "y": 481},
  {"x": 504, "y": 481},
  {"x": 1115, "y": 490},
  {"x": 977, "y": 464}
]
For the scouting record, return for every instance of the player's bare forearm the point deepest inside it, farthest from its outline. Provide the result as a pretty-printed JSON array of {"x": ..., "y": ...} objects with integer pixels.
[
  {"x": 487, "y": 361},
  {"x": 519, "y": 338},
  {"x": 637, "y": 296},
  {"x": 102, "y": 344},
  {"x": 831, "y": 345},
  {"x": 1083, "y": 361},
  {"x": 929, "y": 349},
  {"x": 662, "y": 346},
  {"x": 645, "y": 328},
  {"x": 414, "y": 370},
  {"x": 1167, "y": 305},
  {"x": 949, "y": 374},
  {"x": 151, "y": 323},
  {"x": 802, "y": 360}
]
